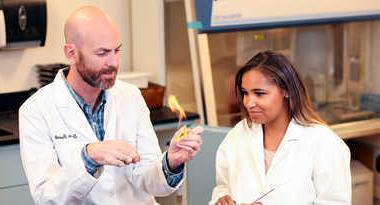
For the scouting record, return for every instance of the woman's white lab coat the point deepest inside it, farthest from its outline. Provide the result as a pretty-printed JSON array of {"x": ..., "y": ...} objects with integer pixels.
[
  {"x": 311, "y": 165},
  {"x": 53, "y": 130}
]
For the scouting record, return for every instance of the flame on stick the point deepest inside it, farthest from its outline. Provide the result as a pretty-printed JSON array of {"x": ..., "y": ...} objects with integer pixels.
[{"x": 175, "y": 107}]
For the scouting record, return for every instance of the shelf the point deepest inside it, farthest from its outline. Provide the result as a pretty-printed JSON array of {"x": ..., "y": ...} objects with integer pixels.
[{"x": 357, "y": 129}]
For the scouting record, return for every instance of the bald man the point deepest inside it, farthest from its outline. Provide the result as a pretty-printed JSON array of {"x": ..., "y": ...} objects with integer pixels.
[{"x": 87, "y": 138}]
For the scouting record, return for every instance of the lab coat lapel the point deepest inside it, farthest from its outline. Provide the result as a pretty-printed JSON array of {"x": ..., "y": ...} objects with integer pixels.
[
  {"x": 291, "y": 138},
  {"x": 110, "y": 119},
  {"x": 71, "y": 113},
  {"x": 257, "y": 152}
]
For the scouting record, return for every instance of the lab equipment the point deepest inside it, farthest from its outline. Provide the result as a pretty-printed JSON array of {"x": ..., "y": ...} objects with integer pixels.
[
  {"x": 260, "y": 197},
  {"x": 263, "y": 195}
]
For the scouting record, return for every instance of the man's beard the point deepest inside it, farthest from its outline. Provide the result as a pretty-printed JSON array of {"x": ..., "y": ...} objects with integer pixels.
[{"x": 93, "y": 78}]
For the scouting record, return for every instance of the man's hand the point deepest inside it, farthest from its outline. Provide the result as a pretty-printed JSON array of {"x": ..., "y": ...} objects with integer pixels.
[
  {"x": 185, "y": 149},
  {"x": 113, "y": 152}
]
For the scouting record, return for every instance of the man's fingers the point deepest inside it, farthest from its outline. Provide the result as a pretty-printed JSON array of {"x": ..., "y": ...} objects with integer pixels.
[
  {"x": 113, "y": 161},
  {"x": 193, "y": 142},
  {"x": 189, "y": 145},
  {"x": 196, "y": 140},
  {"x": 197, "y": 130},
  {"x": 117, "y": 156},
  {"x": 136, "y": 158},
  {"x": 187, "y": 148},
  {"x": 193, "y": 137},
  {"x": 191, "y": 152},
  {"x": 127, "y": 160},
  {"x": 113, "y": 152},
  {"x": 127, "y": 150}
]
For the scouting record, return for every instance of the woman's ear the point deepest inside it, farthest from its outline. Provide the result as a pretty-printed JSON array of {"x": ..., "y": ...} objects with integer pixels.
[
  {"x": 71, "y": 52},
  {"x": 286, "y": 94}
]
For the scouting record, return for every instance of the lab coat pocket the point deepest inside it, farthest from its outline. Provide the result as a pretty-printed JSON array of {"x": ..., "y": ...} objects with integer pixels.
[
  {"x": 295, "y": 189},
  {"x": 132, "y": 142},
  {"x": 68, "y": 148}
]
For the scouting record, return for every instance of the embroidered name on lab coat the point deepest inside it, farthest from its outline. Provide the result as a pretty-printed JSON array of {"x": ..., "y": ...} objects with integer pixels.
[{"x": 65, "y": 136}]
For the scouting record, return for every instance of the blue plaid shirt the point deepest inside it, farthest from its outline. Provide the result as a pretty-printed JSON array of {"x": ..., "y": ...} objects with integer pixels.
[{"x": 96, "y": 120}]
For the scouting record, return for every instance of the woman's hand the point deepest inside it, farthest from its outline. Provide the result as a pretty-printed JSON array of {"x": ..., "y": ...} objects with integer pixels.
[
  {"x": 225, "y": 200},
  {"x": 256, "y": 203}
]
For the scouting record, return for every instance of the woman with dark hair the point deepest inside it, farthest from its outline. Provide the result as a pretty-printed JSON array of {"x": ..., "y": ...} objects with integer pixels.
[{"x": 282, "y": 152}]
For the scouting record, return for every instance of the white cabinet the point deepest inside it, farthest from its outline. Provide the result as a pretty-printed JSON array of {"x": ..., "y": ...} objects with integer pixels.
[
  {"x": 15, "y": 195},
  {"x": 13, "y": 184},
  {"x": 199, "y": 184}
]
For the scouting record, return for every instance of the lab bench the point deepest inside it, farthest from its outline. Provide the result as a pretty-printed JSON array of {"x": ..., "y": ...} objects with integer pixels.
[
  {"x": 13, "y": 184},
  {"x": 198, "y": 184}
]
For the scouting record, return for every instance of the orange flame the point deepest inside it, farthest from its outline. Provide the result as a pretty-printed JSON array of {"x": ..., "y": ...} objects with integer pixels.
[{"x": 175, "y": 107}]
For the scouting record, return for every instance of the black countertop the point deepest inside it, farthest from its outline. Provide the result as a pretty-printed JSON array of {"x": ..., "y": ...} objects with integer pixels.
[
  {"x": 164, "y": 115},
  {"x": 10, "y": 102},
  {"x": 8, "y": 128}
]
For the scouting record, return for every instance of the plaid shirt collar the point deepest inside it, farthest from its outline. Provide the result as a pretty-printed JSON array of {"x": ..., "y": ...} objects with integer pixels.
[
  {"x": 82, "y": 104},
  {"x": 95, "y": 118}
]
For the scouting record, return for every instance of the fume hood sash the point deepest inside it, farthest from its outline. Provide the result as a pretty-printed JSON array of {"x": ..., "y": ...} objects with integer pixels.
[{"x": 232, "y": 15}]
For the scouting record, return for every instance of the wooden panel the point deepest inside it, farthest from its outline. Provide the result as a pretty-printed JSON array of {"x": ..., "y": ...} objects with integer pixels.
[{"x": 357, "y": 129}]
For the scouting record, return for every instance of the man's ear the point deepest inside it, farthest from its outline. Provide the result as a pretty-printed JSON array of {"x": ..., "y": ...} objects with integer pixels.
[{"x": 71, "y": 52}]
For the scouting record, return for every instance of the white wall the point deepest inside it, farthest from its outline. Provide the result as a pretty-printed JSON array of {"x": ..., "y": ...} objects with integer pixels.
[
  {"x": 148, "y": 45},
  {"x": 16, "y": 71}
]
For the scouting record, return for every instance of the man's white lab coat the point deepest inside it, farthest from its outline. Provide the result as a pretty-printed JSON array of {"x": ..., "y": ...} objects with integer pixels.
[
  {"x": 53, "y": 130},
  {"x": 311, "y": 165}
]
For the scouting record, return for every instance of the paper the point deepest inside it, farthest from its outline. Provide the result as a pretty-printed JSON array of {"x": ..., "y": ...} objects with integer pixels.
[{"x": 183, "y": 132}]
